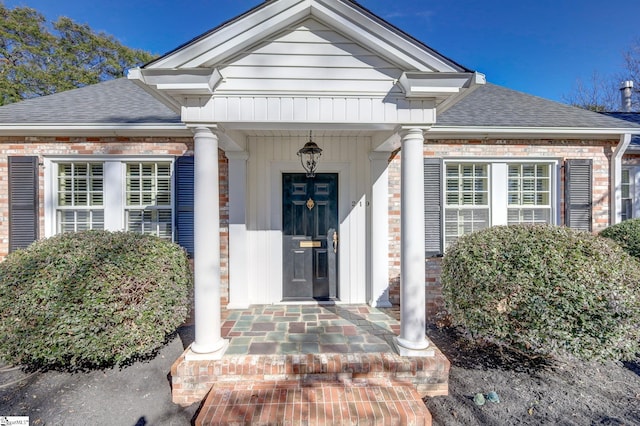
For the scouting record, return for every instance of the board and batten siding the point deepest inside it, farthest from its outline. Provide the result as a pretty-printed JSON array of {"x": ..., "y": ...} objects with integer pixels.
[{"x": 271, "y": 156}]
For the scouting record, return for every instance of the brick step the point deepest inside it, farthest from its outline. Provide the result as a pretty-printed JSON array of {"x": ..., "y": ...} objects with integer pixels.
[
  {"x": 374, "y": 402},
  {"x": 191, "y": 380}
]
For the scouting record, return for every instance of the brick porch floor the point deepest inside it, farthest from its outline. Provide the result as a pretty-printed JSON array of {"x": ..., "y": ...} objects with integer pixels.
[{"x": 333, "y": 364}]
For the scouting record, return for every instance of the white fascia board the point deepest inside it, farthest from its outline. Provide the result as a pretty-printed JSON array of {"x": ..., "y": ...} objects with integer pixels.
[
  {"x": 384, "y": 40},
  {"x": 169, "y": 86},
  {"x": 306, "y": 126},
  {"x": 185, "y": 89},
  {"x": 71, "y": 129},
  {"x": 236, "y": 36},
  {"x": 462, "y": 132},
  {"x": 200, "y": 80},
  {"x": 434, "y": 84}
]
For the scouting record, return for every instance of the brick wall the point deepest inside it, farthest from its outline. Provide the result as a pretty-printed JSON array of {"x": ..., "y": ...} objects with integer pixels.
[
  {"x": 599, "y": 151},
  {"x": 122, "y": 146}
]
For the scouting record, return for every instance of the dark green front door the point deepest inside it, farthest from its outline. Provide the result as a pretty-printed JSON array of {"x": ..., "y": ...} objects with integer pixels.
[{"x": 310, "y": 236}]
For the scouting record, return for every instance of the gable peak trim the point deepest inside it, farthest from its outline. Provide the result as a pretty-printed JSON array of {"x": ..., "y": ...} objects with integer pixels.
[{"x": 345, "y": 16}]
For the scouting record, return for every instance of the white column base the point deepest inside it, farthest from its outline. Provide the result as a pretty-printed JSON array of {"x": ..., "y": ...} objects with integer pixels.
[
  {"x": 206, "y": 354},
  {"x": 406, "y": 348}
]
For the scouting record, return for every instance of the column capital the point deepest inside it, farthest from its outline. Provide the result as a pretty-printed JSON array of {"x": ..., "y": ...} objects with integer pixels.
[
  {"x": 204, "y": 131},
  {"x": 412, "y": 132}
]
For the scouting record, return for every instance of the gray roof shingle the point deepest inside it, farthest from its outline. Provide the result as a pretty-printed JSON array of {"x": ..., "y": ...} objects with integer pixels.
[
  {"x": 495, "y": 106},
  {"x": 117, "y": 101},
  {"x": 123, "y": 102}
]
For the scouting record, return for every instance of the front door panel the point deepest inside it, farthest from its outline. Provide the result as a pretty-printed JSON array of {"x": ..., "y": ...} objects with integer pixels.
[{"x": 310, "y": 225}]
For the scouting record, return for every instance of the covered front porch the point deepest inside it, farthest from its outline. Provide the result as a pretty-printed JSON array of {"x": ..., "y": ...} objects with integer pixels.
[
  {"x": 253, "y": 90},
  {"x": 305, "y": 360}
]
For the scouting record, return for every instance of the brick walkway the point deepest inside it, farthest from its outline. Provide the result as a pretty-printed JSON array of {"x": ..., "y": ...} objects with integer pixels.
[{"x": 290, "y": 403}]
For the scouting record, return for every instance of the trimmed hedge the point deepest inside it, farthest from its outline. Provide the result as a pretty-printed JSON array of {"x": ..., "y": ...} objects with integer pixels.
[
  {"x": 91, "y": 299},
  {"x": 545, "y": 290},
  {"x": 627, "y": 235}
]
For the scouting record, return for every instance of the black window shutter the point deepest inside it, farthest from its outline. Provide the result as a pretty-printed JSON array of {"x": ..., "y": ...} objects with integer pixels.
[
  {"x": 184, "y": 195},
  {"x": 433, "y": 206},
  {"x": 578, "y": 194},
  {"x": 23, "y": 201}
]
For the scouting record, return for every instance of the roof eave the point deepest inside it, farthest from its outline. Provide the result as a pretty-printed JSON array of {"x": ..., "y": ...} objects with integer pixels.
[
  {"x": 96, "y": 129},
  {"x": 496, "y": 132}
]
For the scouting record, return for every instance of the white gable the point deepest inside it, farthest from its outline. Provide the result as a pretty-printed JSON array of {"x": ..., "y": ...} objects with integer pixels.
[
  {"x": 272, "y": 17},
  {"x": 304, "y": 62},
  {"x": 309, "y": 58}
]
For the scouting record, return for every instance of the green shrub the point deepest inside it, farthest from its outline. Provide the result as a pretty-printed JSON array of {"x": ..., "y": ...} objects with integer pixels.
[
  {"x": 627, "y": 235},
  {"x": 91, "y": 299},
  {"x": 545, "y": 290}
]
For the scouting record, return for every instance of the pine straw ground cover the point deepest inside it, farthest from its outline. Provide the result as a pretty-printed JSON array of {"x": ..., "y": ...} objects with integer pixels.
[{"x": 532, "y": 391}]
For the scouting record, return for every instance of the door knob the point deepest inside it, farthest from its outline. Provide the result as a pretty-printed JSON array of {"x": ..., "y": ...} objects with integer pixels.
[{"x": 335, "y": 242}]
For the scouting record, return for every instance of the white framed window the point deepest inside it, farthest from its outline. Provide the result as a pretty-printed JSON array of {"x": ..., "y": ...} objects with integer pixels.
[
  {"x": 148, "y": 198},
  {"x": 481, "y": 194},
  {"x": 111, "y": 193},
  {"x": 467, "y": 190},
  {"x": 79, "y": 194},
  {"x": 529, "y": 197}
]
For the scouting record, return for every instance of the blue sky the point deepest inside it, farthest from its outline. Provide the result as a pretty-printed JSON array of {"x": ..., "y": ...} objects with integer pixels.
[{"x": 536, "y": 46}]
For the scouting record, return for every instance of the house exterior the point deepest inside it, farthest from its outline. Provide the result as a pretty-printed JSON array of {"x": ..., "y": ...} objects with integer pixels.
[
  {"x": 630, "y": 179},
  {"x": 200, "y": 146}
]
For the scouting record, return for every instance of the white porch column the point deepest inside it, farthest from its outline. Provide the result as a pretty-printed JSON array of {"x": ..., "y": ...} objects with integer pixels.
[
  {"x": 380, "y": 229},
  {"x": 412, "y": 340},
  {"x": 238, "y": 285},
  {"x": 208, "y": 340}
]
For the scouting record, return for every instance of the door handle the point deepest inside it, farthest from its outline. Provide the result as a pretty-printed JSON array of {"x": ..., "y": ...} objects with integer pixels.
[{"x": 335, "y": 242}]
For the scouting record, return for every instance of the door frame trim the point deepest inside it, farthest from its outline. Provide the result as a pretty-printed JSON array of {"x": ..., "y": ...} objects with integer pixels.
[
  {"x": 311, "y": 241},
  {"x": 343, "y": 169}
]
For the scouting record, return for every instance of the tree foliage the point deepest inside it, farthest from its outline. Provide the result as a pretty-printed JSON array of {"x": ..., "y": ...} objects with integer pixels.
[
  {"x": 40, "y": 58},
  {"x": 599, "y": 94}
]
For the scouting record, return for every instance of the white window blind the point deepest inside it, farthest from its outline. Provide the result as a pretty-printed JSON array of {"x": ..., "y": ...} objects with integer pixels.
[{"x": 80, "y": 199}]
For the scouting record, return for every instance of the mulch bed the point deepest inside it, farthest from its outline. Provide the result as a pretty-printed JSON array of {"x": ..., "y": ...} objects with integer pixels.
[{"x": 532, "y": 391}]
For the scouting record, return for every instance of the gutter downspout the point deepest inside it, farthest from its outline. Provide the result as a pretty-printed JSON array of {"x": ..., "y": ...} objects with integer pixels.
[{"x": 616, "y": 179}]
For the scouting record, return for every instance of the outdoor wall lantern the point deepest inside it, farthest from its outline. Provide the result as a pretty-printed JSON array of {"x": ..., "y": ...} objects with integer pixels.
[{"x": 309, "y": 155}]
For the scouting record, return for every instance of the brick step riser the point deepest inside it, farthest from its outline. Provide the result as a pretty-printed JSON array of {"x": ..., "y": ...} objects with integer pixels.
[
  {"x": 403, "y": 376},
  {"x": 191, "y": 380}
]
